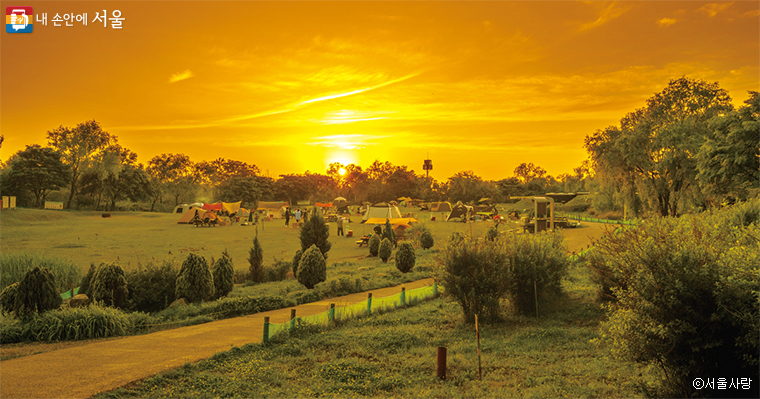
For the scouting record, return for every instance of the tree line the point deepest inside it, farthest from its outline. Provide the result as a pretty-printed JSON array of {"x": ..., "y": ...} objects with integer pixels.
[{"x": 687, "y": 148}]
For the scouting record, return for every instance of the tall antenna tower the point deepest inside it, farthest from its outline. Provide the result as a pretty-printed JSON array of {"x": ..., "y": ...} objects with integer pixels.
[{"x": 427, "y": 166}]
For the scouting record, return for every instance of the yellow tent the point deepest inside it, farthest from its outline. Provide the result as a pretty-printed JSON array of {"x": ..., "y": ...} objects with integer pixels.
[{"x": 394, "y": 221}]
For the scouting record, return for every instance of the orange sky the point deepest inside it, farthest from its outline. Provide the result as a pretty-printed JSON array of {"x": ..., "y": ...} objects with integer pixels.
[{"x": 291, "y": 86}]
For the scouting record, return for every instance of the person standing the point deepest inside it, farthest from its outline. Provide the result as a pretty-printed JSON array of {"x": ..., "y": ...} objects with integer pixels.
[
  {"x": 306, "y": 215},
  {"x": 340, "y": 226},
  {"x": 298, "y": 215},
  {"x": 287, "y": 217}
]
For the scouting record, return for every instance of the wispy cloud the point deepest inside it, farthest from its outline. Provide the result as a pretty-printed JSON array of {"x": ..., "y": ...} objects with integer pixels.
[
  {"x": 665, "y": 22},
  {"x": 712, "y": 9},
  {"x": 181, "y": 76},
  {"x": 608, "y": 13}
]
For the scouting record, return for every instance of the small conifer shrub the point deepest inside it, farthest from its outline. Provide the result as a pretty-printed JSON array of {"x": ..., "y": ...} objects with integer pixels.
[
  {"x": 405, "y": 257},
  {"x": 37, "y": 293},
  {"x": 256, "y": 261},
  {"x": 195, "y": 281},
  {"x": 374, "y": 245},
  {"x": 386, "y": 249},
  {"x": 312, "y": 268},
  {"x": 224, "y": 274},
  {"x": 109, "y": 284}
]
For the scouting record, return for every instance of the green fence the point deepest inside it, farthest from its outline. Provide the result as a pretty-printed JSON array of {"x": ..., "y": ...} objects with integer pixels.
[
  {"x": 366, "y": 306},
  {"x": 67, "y": 294},
  {"x": 595, "y": 220}
]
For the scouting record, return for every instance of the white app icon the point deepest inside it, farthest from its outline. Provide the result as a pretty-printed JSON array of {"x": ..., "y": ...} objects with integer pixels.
[{"x": 20, "y": 20}]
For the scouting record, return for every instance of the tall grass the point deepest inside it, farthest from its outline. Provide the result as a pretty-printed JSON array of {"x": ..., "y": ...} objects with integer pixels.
[{"x": 13, "y": 266}]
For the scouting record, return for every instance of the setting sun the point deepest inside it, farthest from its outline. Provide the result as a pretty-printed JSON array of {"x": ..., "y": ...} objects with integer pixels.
[{"x": 342, "y": 171}]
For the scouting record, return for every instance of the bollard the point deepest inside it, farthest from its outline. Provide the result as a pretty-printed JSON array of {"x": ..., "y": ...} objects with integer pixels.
[
  {"x": 435, "y": 289},
  {"x": 292, "y": 318},
  {"x": 331, "y": 315},
  {"x": 266, "y": 329},
  {"x": 441, "y": 370},
  {"x": 369, "y": 303},
  {"x": 403, "y": 296}
]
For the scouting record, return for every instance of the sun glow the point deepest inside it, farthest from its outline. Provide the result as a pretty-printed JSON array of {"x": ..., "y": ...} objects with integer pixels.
[{"x": 342, "y": 171}]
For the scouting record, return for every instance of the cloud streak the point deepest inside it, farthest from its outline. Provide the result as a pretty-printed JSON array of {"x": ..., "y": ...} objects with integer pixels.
[{"x": 181, "y": 76}]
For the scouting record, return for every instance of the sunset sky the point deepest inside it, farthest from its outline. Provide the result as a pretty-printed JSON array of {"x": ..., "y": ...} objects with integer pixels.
[{"x": 291, "y": 86}]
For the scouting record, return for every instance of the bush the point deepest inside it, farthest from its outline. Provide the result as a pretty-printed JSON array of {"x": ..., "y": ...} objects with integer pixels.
[
  {"x": 414, "y": 234},
  {"x": 223, "y": 273},
  {"x": 385, "y": 251},
  {"x": 14, "y": 266},
  {"x": 405, "y": 257},
  {"x": 241, "y": 276},
  {"x": 75, "y": 324},
  {"x": 8, "y": 298},
  {"x": 493, "y": 233},
  {"x": 256, "y": 261},
  {"x": 151, "y": 289},
  {"x": 85, "y": 286},
  {"x": 534, "y": 258},
  {"x": 426, "y": 239},
  {"x": 278, "y": 271},
  {"x": 36, "y": 293},
  {"x": 388, "y": 233},
  {"x": 472, "y": 273},
  {"x": 109, "y": 285},
  {"x": 684, "y": 296},
  {"x": 315, "y": 232},
  {"x": 374, "y": 245},
  {"x": 195, "y": 281},
  {"x": 312, "y": 268},
  {"x": 296, "y": 261}
]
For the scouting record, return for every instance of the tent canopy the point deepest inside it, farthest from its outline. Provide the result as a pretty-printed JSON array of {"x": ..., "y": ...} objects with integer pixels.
[
  {"x": 394, "y": 221},
  {"x": 325, "y": 205},
  {"x": 440, "y": 206},
  {"x": 188, "y": 216},
  {"x": 230, "y": 207},
  {"x": 383, "y": 211}
]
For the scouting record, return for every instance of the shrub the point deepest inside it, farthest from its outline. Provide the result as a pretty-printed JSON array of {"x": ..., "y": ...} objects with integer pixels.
[
  {"x": 223, "y": 273},
  {"x": 241, "y": 276},
  {"x": 278, "y": 271},
  {"x": 533, "y": 258},
  {"x": 385, "y": 250},
  {"x": 256, "y": 261},
  {"x": 388, "y": 233},
  {"x": 109, "y": 285},
  {"x": 315, "y": 232},
  {"x": 414, "y": 234},
  {"x": 493, "y": 233},
  {"x": 151, "y": 289},
  {"x": 685, "y": 295},
  {"x": 374, "y": 245},
  {"x": 426, "y": 239},
  {"x": 8, "y": 298},
  {"x": 312, "y": 268},
  {"x": 36, "y": 293},
  {"x": 405, "y": 257},
  {"x": 195, "y": 281},
  {"x": 85, "y": 286},
  {"x": 472, "y": 273},
  {"x": 14, "y": 266},
  {"x": 296, "y": 261}
]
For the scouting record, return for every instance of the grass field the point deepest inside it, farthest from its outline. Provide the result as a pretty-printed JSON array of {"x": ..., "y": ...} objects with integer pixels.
[
  {"x": 394, "y": 355},
  {"x": 134, "y": 238}
]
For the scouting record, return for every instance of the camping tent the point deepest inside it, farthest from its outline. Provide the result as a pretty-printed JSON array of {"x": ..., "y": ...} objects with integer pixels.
[
  {"x": 275, "y": 209},
  {"x": 460, "y": 211},
  {"x": 383, "y": 211},
  {"x": 393, "y": 221},
  {"x": 188, "y": 216},
  {"x": 182, "y": 208},
  {"x": 440, "y": 207},
  {"x": 230, "y": 207}
]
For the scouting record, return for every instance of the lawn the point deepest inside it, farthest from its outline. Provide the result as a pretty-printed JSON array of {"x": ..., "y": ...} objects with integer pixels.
[
  {"x": 394, "y": 355},
  {"x": 135, "y": 238}
]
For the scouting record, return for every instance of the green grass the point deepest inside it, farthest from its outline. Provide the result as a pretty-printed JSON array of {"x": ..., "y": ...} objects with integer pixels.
[
  {"x": 394, "y": 355},
  {"x": 135, "y": 238},
  {"x": 13, "y": 267}
]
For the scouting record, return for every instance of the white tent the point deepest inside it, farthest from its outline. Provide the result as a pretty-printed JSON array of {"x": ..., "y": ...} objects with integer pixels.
[
  {"x": 383, "y": 211},
  {"x": 183, "y": 208}
]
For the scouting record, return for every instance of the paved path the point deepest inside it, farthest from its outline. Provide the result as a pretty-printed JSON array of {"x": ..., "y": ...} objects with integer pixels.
[{"x": 83, "y": 371}]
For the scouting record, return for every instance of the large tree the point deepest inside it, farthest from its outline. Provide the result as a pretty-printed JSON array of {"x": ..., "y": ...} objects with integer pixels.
[
  {"x": 39, "y": 170},
  {"x": 729, "y": 160},
  {"x": 78, "y": 147},
  {"x": 653, "y": 152},
  {"x": 177, "y": 174}
]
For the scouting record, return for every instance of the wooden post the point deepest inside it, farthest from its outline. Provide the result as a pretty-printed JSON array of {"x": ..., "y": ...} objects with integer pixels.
[
  {"x": 369, "y": 303},
  {"x": 403, "y": 296},
  {"x": 292, "y": 318},
  {"x": 435, "y": 289},
  {"x": 441, "y": 370},
  {"x": 535, "y": 293},
  {"x": 331, "y": 315},
  {"x": 266, "y": 329},
  {"x": 477, "y": 335}
]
